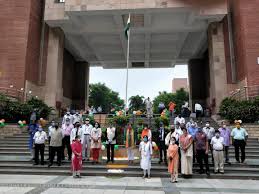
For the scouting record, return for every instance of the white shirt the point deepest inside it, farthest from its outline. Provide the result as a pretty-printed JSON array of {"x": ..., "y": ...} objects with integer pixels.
[
  {"x": 198, "y": 107},
  {"x": 68, "y": 116},
  {"x": 179, "y": 120},
  {"x": 73, "y": 134},
  {"x": 77, "y": 118},
  {"x": 111, "y": 135},
  {"x": 40, "y": 137},
  {"x": 86, "y": 129},
  {"x": 50, "y": 130},
  {"x": 210, "y": 132},
  {"x": 217, "y": 143}
]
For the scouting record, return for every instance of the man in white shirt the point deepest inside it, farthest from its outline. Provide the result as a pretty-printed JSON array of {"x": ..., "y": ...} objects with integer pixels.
[
  {"x": 86, "y": 143},
  {"x": 210, "y": 132},
  {"x": 39, "y": 141},
  {"x": 76, "y": 131},
  {"x": 110, "y": 136},
  {"x": 50, "y": 129},
  {"x": 77, "y": 118},
  {"x": 179, "y": 119},
  {"x": 217, "y": 144},
  {"x": 198, "y": 110},
  {"x": 69, "y": 116}
]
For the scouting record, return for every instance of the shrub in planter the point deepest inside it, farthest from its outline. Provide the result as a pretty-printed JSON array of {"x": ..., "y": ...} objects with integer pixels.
[{"x": 246, "y": 110}]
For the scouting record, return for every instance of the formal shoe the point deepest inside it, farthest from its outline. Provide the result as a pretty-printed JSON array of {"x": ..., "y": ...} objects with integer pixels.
[
  {"x": 42, "y": 164},
  {"x": 208, "y": 173},
  {"x": 84, "y": 159},
  {"x": 78, "y": 176},
  {"x": 201, "y": 172},
  {"x": 36, "y": 164},
  {"x": 59, "y": 164},
  {"x": 50, "y": 165},
  {"x": 215, "y": 172},
  {"x": 88, "y": 160}
]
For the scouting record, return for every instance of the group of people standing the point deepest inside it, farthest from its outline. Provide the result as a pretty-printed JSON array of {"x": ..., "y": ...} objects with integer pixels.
[{"x": 189, "y": 142}]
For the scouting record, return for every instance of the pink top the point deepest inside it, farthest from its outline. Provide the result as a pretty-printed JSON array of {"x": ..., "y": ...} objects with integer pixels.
[{"x": 66, "y": 129}]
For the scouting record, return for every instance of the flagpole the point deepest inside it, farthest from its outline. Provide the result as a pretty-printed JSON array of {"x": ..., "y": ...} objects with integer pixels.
[{"x": 127, "y": 71}]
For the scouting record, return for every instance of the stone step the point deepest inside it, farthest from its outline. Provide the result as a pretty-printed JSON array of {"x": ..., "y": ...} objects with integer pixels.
[
  {"x": 38, "y": 171},
  {"x": 161, "y": 168}
]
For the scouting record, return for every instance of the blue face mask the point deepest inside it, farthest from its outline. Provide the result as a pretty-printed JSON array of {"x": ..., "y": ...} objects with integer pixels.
[
  {"x": 40, "y": 129},
  {"x": 145, "y": 139}
]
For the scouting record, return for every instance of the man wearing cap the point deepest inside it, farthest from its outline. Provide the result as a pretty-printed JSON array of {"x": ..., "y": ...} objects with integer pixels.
[
  {"x": 239, "y": 137},
  {"x": 86, "y": 130}
]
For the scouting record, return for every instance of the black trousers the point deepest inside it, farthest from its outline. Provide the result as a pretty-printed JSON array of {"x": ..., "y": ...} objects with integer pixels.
[
  {"x": 211, "y": 150},
  {"x": 53, "y": 151},
  {"x": 49, "y": 146},
  {"x": 240, "y": 144},
  {"x": 66, "y": 144},
  {"x": 110, "y": 152},
  {"x": 162, "y": 150},
  {"x": 198, "y": 114},
  {"x": 202, "y": 156},
  {"x": 39, "y": 148}
]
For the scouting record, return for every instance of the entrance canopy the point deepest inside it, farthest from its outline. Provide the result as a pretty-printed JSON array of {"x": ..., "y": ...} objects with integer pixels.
[{"x": 160, "y": 37}]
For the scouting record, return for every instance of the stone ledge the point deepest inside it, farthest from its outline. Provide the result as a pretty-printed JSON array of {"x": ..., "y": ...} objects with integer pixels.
[{"x": 10, "y": 130}]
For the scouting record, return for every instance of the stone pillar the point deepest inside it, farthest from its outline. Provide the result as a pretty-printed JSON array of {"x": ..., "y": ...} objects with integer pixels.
[
  {"x": 81, "y": 80},
  {"x": 53, "y": 87},
  {"x": 217, "y": 64}
]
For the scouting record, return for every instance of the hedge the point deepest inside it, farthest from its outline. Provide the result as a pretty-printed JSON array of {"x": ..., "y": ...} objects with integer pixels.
[{"x": 246, "y": 110}]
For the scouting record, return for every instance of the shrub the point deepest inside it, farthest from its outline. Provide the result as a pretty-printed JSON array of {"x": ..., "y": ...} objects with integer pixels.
[
  {"x": 246, "y": 110},
  {"x": 12, "y": 110}
]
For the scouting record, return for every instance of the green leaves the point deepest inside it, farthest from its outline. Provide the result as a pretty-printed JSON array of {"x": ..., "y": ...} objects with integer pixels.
[
  {"x": 101, "y": 95},
  {"x": 136, "y": 103},
  {"x": 12, "y": 110},
  {"x": 246, "y": 110}
]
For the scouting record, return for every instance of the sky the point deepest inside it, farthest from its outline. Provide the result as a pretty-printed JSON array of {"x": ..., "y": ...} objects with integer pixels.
[{"x": 144, "y": 82}]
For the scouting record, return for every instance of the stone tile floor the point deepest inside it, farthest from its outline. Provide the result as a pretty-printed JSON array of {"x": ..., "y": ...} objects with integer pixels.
[{"x": 34, "y": 184}]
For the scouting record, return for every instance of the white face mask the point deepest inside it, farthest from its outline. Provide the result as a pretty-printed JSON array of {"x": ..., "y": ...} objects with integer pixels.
[
  {"x": 217, "y": 135},
  {"x": 224, "y": 126},
  {"x": 172, "y": 142},
  {"x": 207, "y": 125},
  {"x": 87, "y": 122}
]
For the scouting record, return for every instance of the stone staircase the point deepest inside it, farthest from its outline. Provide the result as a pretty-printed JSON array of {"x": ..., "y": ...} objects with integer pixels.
[{"x": 15, "y": 159}]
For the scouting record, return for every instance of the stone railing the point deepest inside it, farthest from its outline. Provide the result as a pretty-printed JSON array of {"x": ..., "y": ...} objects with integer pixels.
[{"x": 11, "y": 130}]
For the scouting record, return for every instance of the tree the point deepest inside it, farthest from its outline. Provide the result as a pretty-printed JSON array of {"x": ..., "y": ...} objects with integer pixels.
[
  {"x": 136, "y": 103},
  {"x": 101, "y": 95},
  {"x": 178, "y": 98}
]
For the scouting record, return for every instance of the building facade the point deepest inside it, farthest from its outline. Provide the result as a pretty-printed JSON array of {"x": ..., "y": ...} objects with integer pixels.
[
  {"x": 179, "y": 83},
  {"x": 47, "y": 46}
]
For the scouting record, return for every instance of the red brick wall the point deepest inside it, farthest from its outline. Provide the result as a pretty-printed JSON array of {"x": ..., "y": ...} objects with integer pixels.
[
  {"x": 246, "y": 32},
  {"x": 34, "y": 40},
  {"x": 14, "y": 24}
]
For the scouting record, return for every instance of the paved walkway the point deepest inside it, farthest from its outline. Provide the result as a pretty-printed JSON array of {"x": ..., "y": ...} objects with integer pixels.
[{"x": 33, "y": 184}]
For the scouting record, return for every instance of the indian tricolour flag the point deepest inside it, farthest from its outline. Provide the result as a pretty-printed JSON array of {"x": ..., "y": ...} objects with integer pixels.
[{"x": 127, "y": 28}]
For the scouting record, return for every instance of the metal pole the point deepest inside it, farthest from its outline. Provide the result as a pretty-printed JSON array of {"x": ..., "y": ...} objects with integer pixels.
[{"x": 127, "y": 72}]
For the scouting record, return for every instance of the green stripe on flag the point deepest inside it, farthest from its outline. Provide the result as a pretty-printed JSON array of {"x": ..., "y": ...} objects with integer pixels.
[{"x": 127, "y": 27}]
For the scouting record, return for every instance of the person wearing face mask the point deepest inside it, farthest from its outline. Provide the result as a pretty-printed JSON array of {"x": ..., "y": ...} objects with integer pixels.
[
  {"x": 68, "y": 116},
  {"x": 239, "y": 137},
  {"x": 146, "y": 132},
  {"x": 201, "y": 150},
  {"x": 50, "y": 129},
  {"x": 86, "y": 129},
  {"x": 66, "y": 130},
  {"x": 226, "y": 134},
  {"x": 192, "y": 131},
  {"x": 76, "y": 131},
  {"x": 186, "y": 144},
  {"x": 188, "y": 124},
  {"x": 76, "y": 163},
  {"x": 217, "y": 143},
  {"x": 77, "y": 118},
  {"x": 210, "y": 132},
  {"x": 56, "y": 145},
  {"x": 110, "y": 137},
  {"x": 39, "y": 141},
  {"x": 161, "y": 143},
  {"x": 96, "y": 135},
  {"x": 173, "y": 158},
  {"x": 145, "y": 148}
]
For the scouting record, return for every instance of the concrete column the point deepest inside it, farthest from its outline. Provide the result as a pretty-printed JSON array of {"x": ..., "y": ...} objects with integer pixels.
[
  {"x": 53, "y": 88},
  {"x": 87, "y": 78},
  {"x": 81, "y": 80},
  {"x": 217, "y": 64}
]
